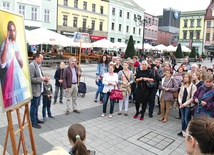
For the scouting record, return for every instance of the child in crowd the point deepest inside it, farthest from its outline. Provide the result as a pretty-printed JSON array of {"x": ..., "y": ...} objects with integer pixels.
[
  {"x": 47, "y": 96},
  {"x": 77, "y": 136}
]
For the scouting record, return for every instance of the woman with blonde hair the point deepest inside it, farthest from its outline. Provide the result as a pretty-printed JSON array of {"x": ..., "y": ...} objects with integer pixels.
[
  {"x": 185, "y": 98},
  {"x": 125, "y": 79}
]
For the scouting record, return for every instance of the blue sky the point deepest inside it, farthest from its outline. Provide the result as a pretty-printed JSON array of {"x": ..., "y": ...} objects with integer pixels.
[{"x": 181, "y": 5}]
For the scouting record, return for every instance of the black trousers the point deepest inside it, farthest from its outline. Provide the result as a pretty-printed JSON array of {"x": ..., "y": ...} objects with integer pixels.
[{"x": 151, "y": 99}]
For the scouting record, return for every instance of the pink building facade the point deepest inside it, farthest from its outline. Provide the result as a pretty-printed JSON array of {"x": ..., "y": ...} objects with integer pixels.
[{"x": 164, "y": 37}]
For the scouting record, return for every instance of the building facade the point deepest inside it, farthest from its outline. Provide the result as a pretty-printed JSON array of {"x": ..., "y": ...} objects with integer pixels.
[
  {"x": 151, "y": 29},
  {"x": 36, "y": 13},
  {"x": 192, "y": 29},
  {"x": 209, "y": 29},
  {"x": 164, "y": 37},
  {"x": 84, "y": 16},
  {"x": 122, "y": 23}
]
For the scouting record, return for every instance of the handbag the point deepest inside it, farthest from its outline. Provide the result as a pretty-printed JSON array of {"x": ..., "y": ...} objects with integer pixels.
[
  {"x": 175, "y": 93},
  {"x": 192, "y": 110},
  {"x": 116, "y": 94},
  {"x": 150, "y": 84}
]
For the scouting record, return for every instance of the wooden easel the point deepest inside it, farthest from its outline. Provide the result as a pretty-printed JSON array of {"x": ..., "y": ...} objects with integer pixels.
[{"x": 21, "y": 125}]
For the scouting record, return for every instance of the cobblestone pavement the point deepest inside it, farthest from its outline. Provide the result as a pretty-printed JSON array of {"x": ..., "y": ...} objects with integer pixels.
[{"x": 119, "y": 135}]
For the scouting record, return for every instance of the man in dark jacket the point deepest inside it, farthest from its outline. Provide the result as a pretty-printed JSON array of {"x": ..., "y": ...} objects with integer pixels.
[
  {"x": 70, "y": 84},
  {"x": 58, "y": 83}
]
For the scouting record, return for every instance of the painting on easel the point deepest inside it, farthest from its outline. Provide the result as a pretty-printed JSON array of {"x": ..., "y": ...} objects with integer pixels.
[{"x": 14, "y": 70}]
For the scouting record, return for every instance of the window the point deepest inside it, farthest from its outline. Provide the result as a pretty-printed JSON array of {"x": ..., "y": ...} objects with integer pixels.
[
  {"x": 93, "y": 7},
  {"x": 65, "y": 20},
  {"x": 208, "y": 24},
  {"x": 120, "y": 27},
  {"x": 66, "y": 2},
  {"x": 127, "y": 29},
  {"x": 139, "y": 31},
  {"x": 75, "y": 3},
  {"x": 112, "y": 26},
  {"x": 198, "y": 22},
  {"x": 84, "y": 5},
  {"x": 121, "y": 13},
  {"x": 185, "y": 23},
  {"x": 101, "y": 9},
  {"x": 84, "y": 22},
  {"x": 34, "y": 13},
  {"x": 127, "y": 15},
  {"x": 101, "y": 26},
  {"x": 192, "y": 23},
  {"x": 75, "y": 22},
  {"x": 112, "y": 40},
  {"x": 22, "y": 9},
  {"x": 113, "y": 11},
  {"x": 119, "y": 40},
  {"x": 207, "y": 36},
  {"x": 191, "y": 34},
  {"x": 93, "y": 24},
  {"x": 134, "y": 30},
  {"x": 6, "y": 5},
  {"x": 184, "y": 34},
  {"x": 198, "y": 34},
  {"x": 47, "y": 15}
]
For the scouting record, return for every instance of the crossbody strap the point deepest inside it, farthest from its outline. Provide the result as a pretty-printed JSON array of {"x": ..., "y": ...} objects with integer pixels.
[{"x": 125, "y": 76}]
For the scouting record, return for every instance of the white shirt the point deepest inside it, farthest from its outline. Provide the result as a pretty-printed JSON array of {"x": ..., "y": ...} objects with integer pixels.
[{"x": 109, "y": 78}]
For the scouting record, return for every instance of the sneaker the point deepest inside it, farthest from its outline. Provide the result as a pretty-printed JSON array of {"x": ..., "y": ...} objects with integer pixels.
[
  {"x": 178, "y": 117},
  {"x": 180, "y": 134},
  {"x": 126, "y": 113},
  {"x": 110, "y": 116},
  {"x": 40, "y": 121},
  {"x": 67, "y": 112},
  {"x": 101, "y": 102},
  {"x": 44, "y": 119},
  {"x": 150, "y": 115},
  {"x": 60, "y": 102},
  {"x": 103, "y": 115},
  {"x": 51, "y": 116},
  {"x": 37, "y": 126},
  {"x": 54, "y": 102},
  {"x": 119, "y": 113},
  {"x": 95, "y": 100},
  {"x": 77, "y": 111}
]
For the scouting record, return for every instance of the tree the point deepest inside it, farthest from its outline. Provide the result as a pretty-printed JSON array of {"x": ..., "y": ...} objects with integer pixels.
[
  {"x": 203, "y": 55},
  {"x": 192, "y": 53},
  {"x": 130, "y": 50},
  {"x": 178, "y": 53}
]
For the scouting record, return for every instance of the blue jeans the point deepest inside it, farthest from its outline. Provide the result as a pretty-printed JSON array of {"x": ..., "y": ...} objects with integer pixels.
[
  {"x": 57, "y": 89},
  {"x": 97, "y": 93},
  {"x": 35, "y": 102},
  {"x": 46, "y": 105},
  {"x": 185, "y": 117},
  {"x": 105, "y": 101}
]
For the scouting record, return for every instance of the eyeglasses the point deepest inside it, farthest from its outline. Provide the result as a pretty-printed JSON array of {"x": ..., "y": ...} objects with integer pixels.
[{"x": 185, "y": 134}]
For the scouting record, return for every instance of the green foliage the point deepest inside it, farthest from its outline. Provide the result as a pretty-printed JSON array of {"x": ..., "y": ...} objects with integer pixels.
[
  {"x": 186, "y": 54},
  {"x": 203, "y": 55},
  {"x": 130, "y": 50},
  {"x": 192, "y": 53},
  {"x": 179, "y": 53},
  {"x": 197, "y": 55}
]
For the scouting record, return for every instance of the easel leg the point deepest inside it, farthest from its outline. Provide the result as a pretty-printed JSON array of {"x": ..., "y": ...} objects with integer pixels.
[{"x": 5, "y": 142}]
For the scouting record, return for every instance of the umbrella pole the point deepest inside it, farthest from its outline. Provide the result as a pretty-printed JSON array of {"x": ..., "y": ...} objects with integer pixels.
[{"x": 80, "y": 52}]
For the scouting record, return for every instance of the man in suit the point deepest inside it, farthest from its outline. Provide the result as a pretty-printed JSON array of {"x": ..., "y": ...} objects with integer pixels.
[
  {"x": 37, "y": 79},
  {"x": 70, "y": 84}
]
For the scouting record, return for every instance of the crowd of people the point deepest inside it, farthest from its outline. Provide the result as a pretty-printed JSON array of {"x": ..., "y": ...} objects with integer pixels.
[{"x": 190, "y": 86}]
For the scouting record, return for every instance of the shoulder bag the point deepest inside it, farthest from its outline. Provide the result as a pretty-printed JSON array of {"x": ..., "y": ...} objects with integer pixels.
[
  {"x": 150, "y": 84},
  {"x": 175, "y": 93},
  {"x": 116, "y": 94}
]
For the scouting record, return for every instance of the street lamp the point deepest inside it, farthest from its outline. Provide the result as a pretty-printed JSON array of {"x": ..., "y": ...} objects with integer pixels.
[{"x": 141, "y": 22}]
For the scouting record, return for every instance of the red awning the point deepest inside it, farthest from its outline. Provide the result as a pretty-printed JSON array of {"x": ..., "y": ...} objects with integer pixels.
[{"x": 97, "y": 37}]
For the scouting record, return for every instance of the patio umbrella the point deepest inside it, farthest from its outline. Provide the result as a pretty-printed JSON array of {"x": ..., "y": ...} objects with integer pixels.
[
  {"x": 146, "y": 46},
  {"x": 159, "y": 47},
  {"x": 171, "y": 48},
  {"x": 103, "y": 43},
  {"x": 185, "y": 49},
  {"x": 119, "y": 45}
]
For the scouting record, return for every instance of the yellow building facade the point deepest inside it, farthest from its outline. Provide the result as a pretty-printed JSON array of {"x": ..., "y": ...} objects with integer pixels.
[
  {"x": 86, "y": 16},
  {"x": 192, "y": 29}
]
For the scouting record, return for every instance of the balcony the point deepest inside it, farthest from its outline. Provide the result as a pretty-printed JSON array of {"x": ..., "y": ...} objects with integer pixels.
[{"x": 86, "y": 30}]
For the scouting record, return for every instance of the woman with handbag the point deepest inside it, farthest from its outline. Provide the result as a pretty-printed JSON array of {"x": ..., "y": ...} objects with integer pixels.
[
  {"x": 110, "y": 80},
  {"x": 185, "y": 98},
  {"x": 204, "y": 98},
  {"x": 167, "y": 86},
  {"x": 141, "y": 90},
  {"x": 125, "y": 79}
]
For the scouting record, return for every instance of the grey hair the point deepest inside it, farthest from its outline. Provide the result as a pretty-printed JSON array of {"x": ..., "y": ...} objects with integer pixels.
[
  {"x": 72, "y": 59},
  {"x": 194, "y": 65}
]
